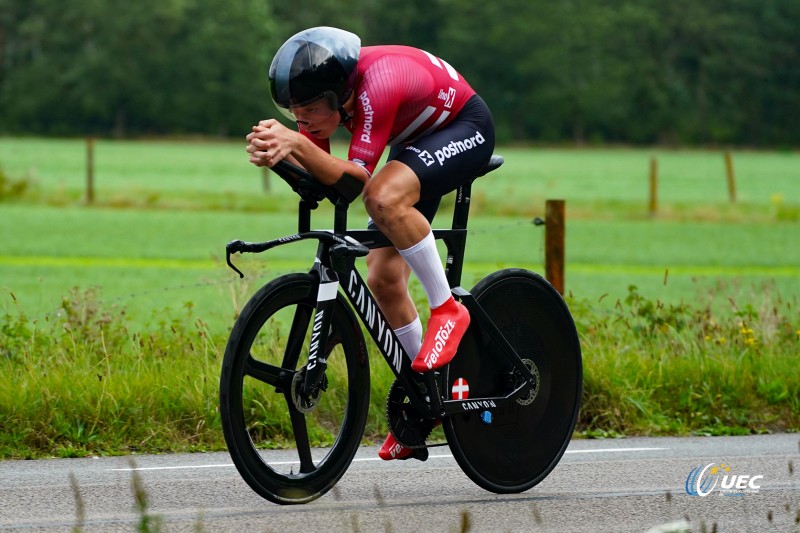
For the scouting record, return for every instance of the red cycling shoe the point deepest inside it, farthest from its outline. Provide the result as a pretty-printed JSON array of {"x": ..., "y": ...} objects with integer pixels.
[
  {"x": 392, "y": 449},
  {"x": 446, "y": 327}
]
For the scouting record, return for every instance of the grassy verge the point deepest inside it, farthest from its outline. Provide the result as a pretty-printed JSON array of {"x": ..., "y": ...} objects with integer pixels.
[
  {"x": 706, "y": 344},
  {"x": 83, "y": 383},
  {"x": 664, "y": 369}
]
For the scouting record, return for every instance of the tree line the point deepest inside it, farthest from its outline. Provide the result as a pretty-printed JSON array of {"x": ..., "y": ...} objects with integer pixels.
[{"x": 633, "y": 71}]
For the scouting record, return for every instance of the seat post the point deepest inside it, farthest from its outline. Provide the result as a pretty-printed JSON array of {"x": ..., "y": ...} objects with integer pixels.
[
  {"x": 461, "y": 209},
  {"x": 456, "y": 241}
]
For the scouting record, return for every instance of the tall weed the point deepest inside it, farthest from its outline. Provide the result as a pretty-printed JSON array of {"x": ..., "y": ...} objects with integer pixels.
[
  {"x": 81, "y": 382},
  {"x": 699, "y": 367},
  {"x": 14, "y": 189}
]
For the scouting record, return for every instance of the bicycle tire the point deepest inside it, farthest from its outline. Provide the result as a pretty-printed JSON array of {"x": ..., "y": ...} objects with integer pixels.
[
  {"x": 522, "y": 443},
  {"x": 274, "y": 329}
]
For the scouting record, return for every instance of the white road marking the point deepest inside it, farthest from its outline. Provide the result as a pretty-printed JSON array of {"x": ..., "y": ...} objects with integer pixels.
[
  {"x": 611, "y": 450},
  {"x": 362, "y": 459}
]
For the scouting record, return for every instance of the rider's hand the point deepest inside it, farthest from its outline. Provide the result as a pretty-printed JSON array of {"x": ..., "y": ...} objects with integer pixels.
[
  {"x": 269, "y": 142},
  {"x": 258, "y": 157}
]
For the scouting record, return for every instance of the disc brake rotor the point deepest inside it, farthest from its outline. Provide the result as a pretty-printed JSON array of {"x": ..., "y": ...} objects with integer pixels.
[
  {"x": 535, "y": 389},
  {"x": 303, "y": 404}
]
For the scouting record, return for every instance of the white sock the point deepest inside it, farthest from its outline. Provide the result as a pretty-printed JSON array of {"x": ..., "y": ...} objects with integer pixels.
[
  {"x": 423, "y": 258},
  {"x": 410, "y": 337}
]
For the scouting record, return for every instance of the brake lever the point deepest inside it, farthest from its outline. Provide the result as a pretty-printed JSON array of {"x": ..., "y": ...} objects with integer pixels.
[{"x": 236, "y": 246}]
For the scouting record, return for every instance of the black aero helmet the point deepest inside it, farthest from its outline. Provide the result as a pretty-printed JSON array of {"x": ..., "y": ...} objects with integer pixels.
[{"x": 315, "y": 63}]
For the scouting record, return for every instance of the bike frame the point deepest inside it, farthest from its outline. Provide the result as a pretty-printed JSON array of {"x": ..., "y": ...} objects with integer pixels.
[{"x": 334, "y": 267}]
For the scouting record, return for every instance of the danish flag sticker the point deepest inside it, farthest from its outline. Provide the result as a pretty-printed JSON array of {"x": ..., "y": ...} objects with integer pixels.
[{"x": 460, "y": 389}]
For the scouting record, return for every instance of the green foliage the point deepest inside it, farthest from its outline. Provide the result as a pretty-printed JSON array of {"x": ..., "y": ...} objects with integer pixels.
[
  {"x": 85, "y": 383},
  {"x": 676, "y": 71},
  {"x": 10, "y": 188},
  {"x": 584, "y": 71},
  {"x": 664, "y": 369},
  {"x": 82, "y": 383},
  {"x": 141, "y": 67}
]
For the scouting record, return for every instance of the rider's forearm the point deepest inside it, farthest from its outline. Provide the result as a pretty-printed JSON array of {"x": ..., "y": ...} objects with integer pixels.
[{"x": 327, "y": 168}]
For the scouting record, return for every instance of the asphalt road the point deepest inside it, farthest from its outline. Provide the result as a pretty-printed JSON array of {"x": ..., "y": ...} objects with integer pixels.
[{"x": 600, "y": 485}]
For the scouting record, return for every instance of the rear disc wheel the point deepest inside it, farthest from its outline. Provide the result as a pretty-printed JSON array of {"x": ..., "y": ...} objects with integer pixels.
[{"x": 520, "y": 443}]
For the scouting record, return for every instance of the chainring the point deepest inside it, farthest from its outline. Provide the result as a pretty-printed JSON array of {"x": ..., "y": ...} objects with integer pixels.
[{"x": 407, "y": 426}]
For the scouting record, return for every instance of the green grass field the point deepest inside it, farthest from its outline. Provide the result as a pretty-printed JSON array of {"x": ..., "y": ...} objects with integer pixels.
[
  {"x": 138, "y": 168},
  {"x": 115, "y": 315},
  {"x": 151, "y": 260},
  {"x": 166, "y": 209}
]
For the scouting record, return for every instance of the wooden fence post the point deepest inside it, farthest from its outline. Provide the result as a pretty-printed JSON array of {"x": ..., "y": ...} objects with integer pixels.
[
  {"x": 730, "y": 176},
  {"x": 554, "y": 244},
  {"x": 652, "y": 205},
  {"x": 89, "y": 170}
]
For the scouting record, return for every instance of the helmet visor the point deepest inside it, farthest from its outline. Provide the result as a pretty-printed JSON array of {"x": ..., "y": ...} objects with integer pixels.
[{"x": 319, "y": 107}]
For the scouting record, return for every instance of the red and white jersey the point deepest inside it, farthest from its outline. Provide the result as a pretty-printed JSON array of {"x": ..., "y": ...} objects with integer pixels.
[{"x": 401, "y": 94}]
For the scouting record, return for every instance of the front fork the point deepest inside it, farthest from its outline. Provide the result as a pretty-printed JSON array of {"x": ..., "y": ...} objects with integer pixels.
[{"x": 320, "y": 330}]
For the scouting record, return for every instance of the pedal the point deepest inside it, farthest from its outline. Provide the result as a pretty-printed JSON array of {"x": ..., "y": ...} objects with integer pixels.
[{"x": 420, "y": 454}]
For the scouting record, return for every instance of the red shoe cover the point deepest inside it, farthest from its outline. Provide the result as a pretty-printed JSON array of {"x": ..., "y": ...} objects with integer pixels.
[
  {"x": 446, "y": 327},
  {"x": 392, "y": 449}
]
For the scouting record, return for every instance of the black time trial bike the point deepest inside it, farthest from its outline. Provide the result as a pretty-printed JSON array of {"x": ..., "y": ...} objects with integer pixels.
[{"x": 508, "y": 402}]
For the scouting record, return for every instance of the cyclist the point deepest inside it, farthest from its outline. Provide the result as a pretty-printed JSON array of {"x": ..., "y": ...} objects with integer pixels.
[{"x": 439, "y": 132}]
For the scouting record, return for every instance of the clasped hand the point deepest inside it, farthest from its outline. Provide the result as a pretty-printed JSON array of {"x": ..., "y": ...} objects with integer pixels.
[{"x": 270, "y": 142}]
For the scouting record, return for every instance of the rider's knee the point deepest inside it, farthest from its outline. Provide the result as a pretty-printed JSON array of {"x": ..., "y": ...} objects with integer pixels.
[
  {"x": 378, "y": 199},
  {"x": 391, "y": 195}
]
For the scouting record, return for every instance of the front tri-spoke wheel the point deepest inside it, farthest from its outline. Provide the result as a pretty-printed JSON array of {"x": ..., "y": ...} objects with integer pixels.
[{"x": 288, "y": 447}]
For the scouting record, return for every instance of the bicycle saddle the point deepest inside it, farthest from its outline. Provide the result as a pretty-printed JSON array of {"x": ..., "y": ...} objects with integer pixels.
[{"x": 494, "y": 163}]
